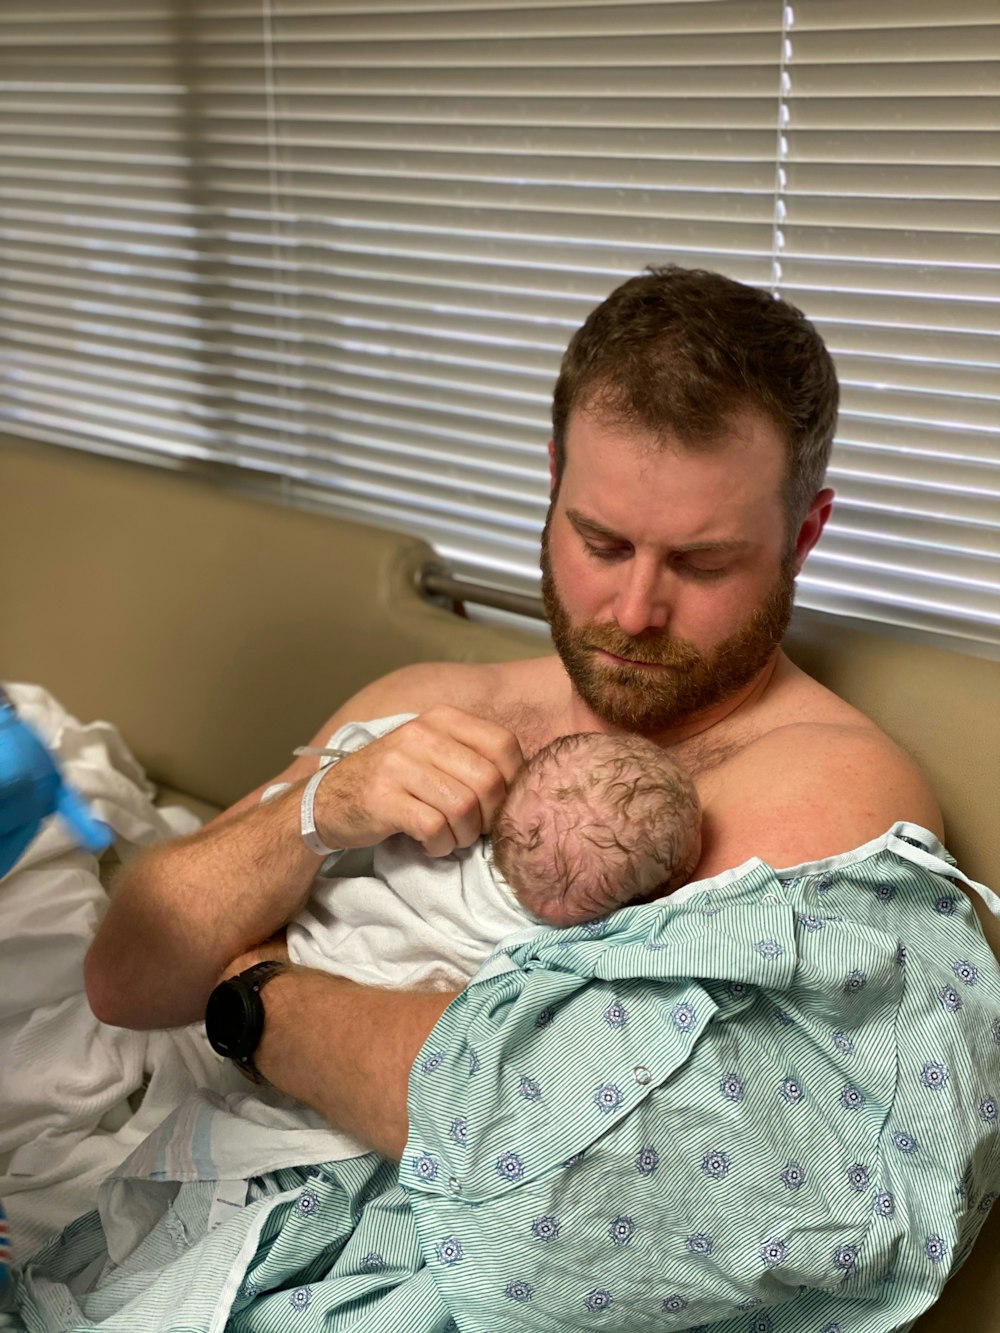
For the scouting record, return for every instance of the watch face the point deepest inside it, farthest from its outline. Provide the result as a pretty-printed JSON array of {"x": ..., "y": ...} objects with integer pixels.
[{"x": 229, "y": 1021}]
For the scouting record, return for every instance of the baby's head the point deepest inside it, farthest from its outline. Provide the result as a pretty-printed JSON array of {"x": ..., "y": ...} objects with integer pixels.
[{"x": 592, "y": 822}]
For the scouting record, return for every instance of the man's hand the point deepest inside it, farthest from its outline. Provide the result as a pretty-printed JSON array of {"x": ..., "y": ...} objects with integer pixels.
[{"x": 439, "y": 778}]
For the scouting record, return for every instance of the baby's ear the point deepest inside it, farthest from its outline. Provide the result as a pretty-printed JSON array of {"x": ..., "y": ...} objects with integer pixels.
[
  {"x": 687, "y": 864},
  {"x": 661, "y": 891},
  {"x": 566, "y": 912}
]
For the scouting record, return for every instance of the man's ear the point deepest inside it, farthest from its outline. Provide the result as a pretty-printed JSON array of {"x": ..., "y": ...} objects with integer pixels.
[
  {"x": 812, "y": 526},
  {"x": 552, "y": 467}
]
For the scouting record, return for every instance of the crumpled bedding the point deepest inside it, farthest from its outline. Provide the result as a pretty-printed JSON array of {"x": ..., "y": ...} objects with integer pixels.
[{"x": 75, "y": 1096}]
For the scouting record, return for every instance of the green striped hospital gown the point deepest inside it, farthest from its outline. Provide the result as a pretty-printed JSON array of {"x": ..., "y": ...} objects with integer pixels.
[{"x": 767, "y": 1104}]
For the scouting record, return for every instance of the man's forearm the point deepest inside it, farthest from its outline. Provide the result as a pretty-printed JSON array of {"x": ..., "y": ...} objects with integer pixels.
[
  {"x": 350, "y": 1059},
  {"x": 183, "y": 910}
]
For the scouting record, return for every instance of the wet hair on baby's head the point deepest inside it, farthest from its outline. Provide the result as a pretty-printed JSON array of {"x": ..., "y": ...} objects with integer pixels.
[{"x": 592, "y": 822}]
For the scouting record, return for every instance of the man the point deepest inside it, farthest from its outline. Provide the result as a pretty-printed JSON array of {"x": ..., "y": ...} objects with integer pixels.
[{"x": 692, "y": 423}]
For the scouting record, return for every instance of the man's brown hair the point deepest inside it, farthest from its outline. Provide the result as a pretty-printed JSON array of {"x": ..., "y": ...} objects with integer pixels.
[{"x": 679, "y": 352}]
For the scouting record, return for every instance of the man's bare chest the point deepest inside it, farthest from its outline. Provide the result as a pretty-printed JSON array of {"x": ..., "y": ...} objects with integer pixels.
[{"x": 705, "y": 756}]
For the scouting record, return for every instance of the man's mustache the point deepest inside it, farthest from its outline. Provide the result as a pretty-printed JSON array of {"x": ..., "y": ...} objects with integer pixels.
[{"x": 650, "y": 650}]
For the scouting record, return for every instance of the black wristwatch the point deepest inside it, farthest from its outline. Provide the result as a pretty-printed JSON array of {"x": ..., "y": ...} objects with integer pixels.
[{"x": 234, "y": 1016}]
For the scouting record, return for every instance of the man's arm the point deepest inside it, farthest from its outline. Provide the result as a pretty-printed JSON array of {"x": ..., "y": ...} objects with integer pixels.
[
  {"x": 181, "y": 912},
  {"x": 183, "y": 909}
]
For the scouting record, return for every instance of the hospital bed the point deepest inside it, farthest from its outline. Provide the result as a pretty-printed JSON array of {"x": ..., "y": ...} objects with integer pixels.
[{"x": 218, "y": 629}]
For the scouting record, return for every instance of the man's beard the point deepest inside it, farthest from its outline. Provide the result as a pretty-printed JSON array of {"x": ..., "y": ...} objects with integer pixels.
[{"x": 686, "y": 681}]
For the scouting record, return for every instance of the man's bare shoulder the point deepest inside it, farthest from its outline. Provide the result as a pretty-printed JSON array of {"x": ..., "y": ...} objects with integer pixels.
[
  {"x": 510, "y": 693},
  {"x": 812, "y": 788}
]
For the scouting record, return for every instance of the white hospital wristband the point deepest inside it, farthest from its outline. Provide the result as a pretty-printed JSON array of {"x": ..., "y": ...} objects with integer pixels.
[{"x": 307, "y": 821}]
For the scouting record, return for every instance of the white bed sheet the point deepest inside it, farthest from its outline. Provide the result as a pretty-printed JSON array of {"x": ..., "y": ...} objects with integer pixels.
[{"x": 76, "y": 1096}]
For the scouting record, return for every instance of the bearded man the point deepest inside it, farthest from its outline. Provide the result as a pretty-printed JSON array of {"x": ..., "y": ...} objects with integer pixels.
[{"x": 693, "y": 419}]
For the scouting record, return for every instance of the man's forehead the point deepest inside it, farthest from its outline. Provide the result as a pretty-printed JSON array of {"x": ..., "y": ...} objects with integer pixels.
[{"x": 613, "y": 473}]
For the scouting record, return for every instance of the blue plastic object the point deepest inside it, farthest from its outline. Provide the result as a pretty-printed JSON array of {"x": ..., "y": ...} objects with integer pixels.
[{"x": 32, "y": 789}]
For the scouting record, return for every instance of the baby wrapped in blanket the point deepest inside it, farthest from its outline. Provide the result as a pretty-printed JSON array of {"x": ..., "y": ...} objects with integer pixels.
[{"x": 590, "y": 823}]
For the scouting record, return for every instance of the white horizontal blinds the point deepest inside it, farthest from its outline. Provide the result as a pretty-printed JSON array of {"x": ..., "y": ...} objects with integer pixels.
[
  {"x": 891, "y": 240},
  {"x": 346, "y": 243},
  {"x": 111, "y": 325},
  {"x": 456, "y": 187}
]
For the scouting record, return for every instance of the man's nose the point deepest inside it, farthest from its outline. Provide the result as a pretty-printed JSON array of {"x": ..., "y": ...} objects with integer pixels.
[{"x": 642, "y": 602}]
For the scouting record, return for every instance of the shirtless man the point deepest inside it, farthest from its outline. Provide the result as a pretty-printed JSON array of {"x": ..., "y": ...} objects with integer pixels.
[{"x": 693, "y": 420}]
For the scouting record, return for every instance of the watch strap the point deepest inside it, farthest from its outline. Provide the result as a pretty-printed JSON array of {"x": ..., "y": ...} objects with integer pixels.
[{"x": 261, "y": 973}]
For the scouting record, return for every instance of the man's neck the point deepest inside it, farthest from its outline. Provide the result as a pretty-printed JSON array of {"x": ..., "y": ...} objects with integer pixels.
[{"x": 737, "y": 706}]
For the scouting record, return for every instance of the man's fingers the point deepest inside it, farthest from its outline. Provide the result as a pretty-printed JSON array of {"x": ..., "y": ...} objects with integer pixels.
[
  {"x": 449, "y": 809},
  {"x": 439, "y": 778},
  {"x": 477, "y": 735},
  {"x": 436, "y": 833},
  {"x": 456, "y": 748}
]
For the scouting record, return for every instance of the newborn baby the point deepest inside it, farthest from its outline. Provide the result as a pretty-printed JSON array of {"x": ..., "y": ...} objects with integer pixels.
[
  {"x": 593, "y": 822},
  {"x": 590, "y": 823}
]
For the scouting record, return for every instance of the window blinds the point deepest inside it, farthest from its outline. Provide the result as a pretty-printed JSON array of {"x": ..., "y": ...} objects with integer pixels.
[
  {"x": 890, "y": 208},
  {"x": 344, "y": 247}
]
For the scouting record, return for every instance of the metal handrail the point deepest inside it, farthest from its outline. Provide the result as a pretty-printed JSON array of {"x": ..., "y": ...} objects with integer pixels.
[{"x": 433, "y": 581}]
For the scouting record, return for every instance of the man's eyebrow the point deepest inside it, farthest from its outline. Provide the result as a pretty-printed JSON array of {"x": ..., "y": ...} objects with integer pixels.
[{"x": 580, "y": 520}]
